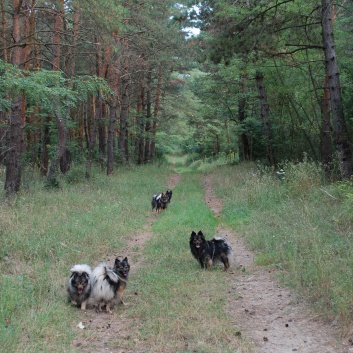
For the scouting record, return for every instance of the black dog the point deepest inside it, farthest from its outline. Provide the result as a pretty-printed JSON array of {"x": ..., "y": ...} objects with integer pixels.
[
  {"x": 159, "y": 202},
  {"x": 169, "y": 194},
  {"x": 212, "y": 251}
]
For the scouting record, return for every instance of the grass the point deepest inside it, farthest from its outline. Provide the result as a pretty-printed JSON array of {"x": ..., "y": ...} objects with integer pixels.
[
  {"x": 44, "y": 232},
  {"x": 297, "y": 224},
  {"x": 179, "y": 307}
]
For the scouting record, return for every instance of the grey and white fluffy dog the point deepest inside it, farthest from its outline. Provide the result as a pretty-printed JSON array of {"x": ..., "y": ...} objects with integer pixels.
[
  {"x": 108, "y": 283},
  {"x": 79, "y": 286}
]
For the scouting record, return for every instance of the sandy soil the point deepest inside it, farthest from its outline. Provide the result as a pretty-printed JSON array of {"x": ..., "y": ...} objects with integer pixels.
[{"x": 269, "y": 315}]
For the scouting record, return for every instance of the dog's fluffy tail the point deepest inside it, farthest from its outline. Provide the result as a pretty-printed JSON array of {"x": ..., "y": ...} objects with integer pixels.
[
  {"x": 229, "y": 248},
  {"x": 82, "y": 268},
  {"x": 103, "y": 270},
  {"x": 102, "y": 288}
]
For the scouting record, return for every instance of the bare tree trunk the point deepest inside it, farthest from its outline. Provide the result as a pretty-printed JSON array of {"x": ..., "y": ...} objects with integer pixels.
[
  {"x": 140, "y": 122},
  {"x": 264, "y": 113},
  {"x": 75, "y": 37},
  {"x": 148, "y": 117},
  {"x": 3, "y": 29},
  {"x": 32, "y": 135},
  {"x": 340, "y": 133},
  {"x": 111, "y": 135},
  {"x": 156, "y": 112},
  {"x": 15, "y": 133},
  {"x": 92, "y": 142},
  {"x": 102, "y": 136},
  {"x": 325, "y": 131},
  {"x": 103, "y": 62},
  {"x": 123, "y": 120},
  {"x": 245, "y": 146},
  {"x": 62, "y": 158}
]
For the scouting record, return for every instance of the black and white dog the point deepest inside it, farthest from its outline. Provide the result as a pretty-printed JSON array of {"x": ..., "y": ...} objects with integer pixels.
[
  {"x": 108, "y": 283},
  {"x": 160, "y": 201},
  {"x": 79, "y": 286}
]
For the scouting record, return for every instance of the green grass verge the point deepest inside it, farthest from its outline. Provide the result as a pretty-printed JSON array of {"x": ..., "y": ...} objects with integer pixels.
[
  {"x": 298, "y": 227},
  {"x": 44, "y": 233}
]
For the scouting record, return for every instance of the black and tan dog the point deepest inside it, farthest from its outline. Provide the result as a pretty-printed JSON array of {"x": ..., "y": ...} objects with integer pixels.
[
  {"x": 208, "y": 252},
  {"x": 79, "y": 286},
  {"x": 108, "y": 283},
  {"x": 160, "y": 201},
  {"x": 122, "y": 268}
]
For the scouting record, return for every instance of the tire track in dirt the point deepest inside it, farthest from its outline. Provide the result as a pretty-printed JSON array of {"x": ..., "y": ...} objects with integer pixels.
[
  {"x": 101, "y": 329},
  {"x": 270, "y": 316}
]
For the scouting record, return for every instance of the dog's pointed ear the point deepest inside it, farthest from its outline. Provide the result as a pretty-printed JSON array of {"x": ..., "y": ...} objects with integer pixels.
[
  {"x": 125, "y": 258},
  {"x": 193, "y": 233},
  {"x": 200, "y": 233},
  {"x": 116, "y": 261}
]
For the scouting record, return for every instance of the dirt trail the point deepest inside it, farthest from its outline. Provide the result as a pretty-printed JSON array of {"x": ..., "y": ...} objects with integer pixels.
[
  {"x": 101, "y": 329},
  {"x": 270, "y": 315}
]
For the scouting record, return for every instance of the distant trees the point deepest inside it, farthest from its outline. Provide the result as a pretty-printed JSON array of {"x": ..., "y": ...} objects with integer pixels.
[
  {"x": 292, "y": 45},
  {"x": 88, "y": 83}
]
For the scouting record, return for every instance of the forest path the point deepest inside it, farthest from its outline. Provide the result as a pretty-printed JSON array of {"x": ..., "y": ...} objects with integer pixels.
[
  {"x": 101, "y": 329},
  {"x": 270, "y": 315}
]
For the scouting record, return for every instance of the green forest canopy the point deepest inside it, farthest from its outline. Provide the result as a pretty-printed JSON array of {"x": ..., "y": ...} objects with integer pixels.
[{"x": 120, "y": 82}]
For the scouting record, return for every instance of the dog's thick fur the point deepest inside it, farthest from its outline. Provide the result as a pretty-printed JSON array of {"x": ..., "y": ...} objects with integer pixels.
[
  {"x": 110, "y": 282},
  {"x": 208, "y": 252},
  {"x": 79, "y": 286},
  {"x": 160, "y": 201}
]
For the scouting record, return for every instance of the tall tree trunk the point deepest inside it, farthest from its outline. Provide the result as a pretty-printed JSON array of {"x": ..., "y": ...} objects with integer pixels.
[
  {"x": 340, "y": 133},
  {"x": 123, "y": 120},
  {"x": 127, "y": 155},
  {"x": 245, "y": 145},
  {"x": 102, "y": 136},
  {"x": 111, "y": 135},
  {"x": 148, "y": 117},
  {"x": 92, "y": 141},
  {"x": 15, "y": 133},
  {"x": 103, "y": 66},
  {"x": 75, "y": 29},
  {"x": 140, "y": 122},
  {"x": 156, "y": 112},
  {"x": 265, "y": 116},
  {"x": 326, "y": 130},
  {"x": 3, "y": 29},
  {"x": 32, "y": 134},
  {"x": 62, "y": 158}
]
